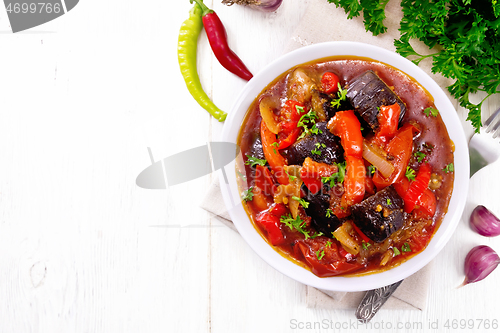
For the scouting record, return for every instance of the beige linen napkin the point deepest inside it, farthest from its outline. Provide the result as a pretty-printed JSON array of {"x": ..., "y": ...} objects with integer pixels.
[{"x": 323, "y": 22}]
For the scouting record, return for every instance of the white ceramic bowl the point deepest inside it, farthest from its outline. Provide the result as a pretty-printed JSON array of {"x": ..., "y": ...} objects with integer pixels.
[{"x": 242, "y": 222}]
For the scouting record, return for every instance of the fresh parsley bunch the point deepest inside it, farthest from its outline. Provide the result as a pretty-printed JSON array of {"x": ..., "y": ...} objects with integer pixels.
[{"x": 467, "y": 35}]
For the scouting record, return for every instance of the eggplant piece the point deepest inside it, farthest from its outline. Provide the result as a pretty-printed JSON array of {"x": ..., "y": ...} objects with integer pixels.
[
  {"x": 256, "y": 149},
  {"x": 319, "y": 204},
  {"x": 367, "y": 93},
  {"x": 380, "y": 215},
  {"x": 331, "y": 152}
]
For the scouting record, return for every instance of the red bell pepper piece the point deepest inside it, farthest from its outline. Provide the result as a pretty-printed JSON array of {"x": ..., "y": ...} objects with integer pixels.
[
  {"x": 312, "y": 172},
  {"x": 426, "y": 203},
  {"x": 264, "y": 180},
  {"x": 346, "y": 125},
  {"x": 354, "y": 182},
  {"x": 417, "y": 187},
  {"x": 289, "y": 134},
  {"x": 361, "y": 234},
  {"x": 400, "y": 148},
  {"x": 273, "y": 157},
  {"x": 270, "y": 221},
  {"x": 388, "y": 120},
  {"x": 329, "y": 83}
]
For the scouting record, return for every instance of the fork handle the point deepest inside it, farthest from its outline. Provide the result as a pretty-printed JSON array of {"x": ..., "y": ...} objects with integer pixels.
[{"x": 373, "y": 301}]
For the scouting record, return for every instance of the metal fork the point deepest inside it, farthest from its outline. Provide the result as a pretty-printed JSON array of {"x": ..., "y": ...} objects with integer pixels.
[
  {"x": 484, "y": 146},
  {"x": 484, "y": 149}
]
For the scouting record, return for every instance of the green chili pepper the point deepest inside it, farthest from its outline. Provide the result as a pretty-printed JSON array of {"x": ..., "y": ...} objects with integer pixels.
[{"x": 186, "y": 54}]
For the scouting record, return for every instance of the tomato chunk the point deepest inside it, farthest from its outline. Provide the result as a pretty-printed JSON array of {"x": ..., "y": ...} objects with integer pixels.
[
  {"x": 291, "y": 111},
  {"x": 329, "y": 83},
  {"x": 325, "y": 267}
]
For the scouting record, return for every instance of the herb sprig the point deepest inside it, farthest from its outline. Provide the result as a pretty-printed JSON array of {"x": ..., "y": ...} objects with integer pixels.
[{"x": 465, "y": 31}]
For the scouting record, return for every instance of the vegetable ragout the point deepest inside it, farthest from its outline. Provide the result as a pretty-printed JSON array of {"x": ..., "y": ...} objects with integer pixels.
[{"x": 347, "y": 166}]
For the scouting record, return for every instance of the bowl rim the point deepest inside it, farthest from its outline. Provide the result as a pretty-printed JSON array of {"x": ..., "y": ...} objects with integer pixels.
[{"x": 230, "y": 192}]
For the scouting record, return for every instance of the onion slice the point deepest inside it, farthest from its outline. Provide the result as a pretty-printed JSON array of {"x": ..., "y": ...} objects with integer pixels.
[
  {"x": 371, "y": 155},
  {"x": 349, "y": 244},
  {"x": 479, "y": 263},
  {"x": 267, "y": 115},
  {"x": 484, "y": 222}
]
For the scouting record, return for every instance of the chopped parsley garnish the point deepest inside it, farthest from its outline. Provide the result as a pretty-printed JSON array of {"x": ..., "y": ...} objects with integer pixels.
[
  {"x": 253, "y": 161},
  {"x": 406, "y": 247},
  {"x": 366, "y": 245},
  {"x": 317, "y": 234},
  {"x": 461, "y": 36},
  {"x": 420, "y": 156},
  {"x": 337, "y": 177},
  {"x": 431, "y": 111},
  {"x": 317, "y": 151},
  {"x": 308, "y": 119},
  {"x": 396, "y": 251},
  {"x": 301, "y": 201},
  {"x": 389, "y": 202},
  {"x": 248, "y": 194},
  {"x": 290, "y": 177},
  {"x": 341, "y": 94},
  {"x": 328, "y": 244},
  {"x": 297, "y": 224},
  {"x": 314, "y": 130},
  {"x": 371, "y": 170},
  {"x": 329, "y": 212},
  {"x": 410, "y": 173},
  {"x": 320, "y": 254},
  {"x": 449, "y": 168}
]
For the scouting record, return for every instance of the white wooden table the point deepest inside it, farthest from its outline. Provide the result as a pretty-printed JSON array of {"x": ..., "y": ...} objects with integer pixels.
[{"x": 83, "y": 249}]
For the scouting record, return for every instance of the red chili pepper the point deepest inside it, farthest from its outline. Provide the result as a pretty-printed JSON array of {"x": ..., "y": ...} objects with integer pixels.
[
  {"x": 217, "y": 37},
  {"x": 329, "y": 82}
]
